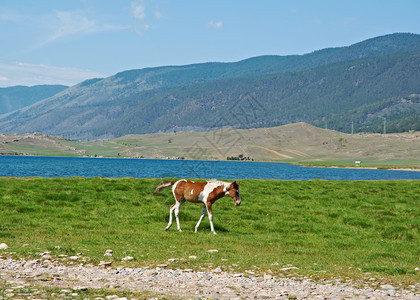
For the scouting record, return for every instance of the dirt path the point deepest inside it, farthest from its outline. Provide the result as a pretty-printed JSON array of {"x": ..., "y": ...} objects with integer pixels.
[{"x": 214, "y": 284}]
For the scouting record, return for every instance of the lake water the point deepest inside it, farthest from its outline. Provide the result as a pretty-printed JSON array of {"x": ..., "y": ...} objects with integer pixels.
[{"x": 24, "y": 166}]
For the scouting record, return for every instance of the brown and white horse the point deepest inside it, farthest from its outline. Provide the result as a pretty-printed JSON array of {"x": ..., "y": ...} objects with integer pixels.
[{"x": 199, "y": 192}]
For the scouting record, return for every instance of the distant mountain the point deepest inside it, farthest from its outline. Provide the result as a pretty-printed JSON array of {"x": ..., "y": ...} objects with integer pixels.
[
  {"x": 362, "y": 83},
  {"x": 326, "y": 96},
  {"x": 17, "y": 97}
]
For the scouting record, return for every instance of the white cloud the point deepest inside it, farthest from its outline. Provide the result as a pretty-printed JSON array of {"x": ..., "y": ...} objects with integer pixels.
[
  {"x": 141, "y": 11},
  {"x": 59, "y": 25},
  {"x": 138, "y": 10},
  {"x": 20, "y": 73},
  {"x": 214, "y": 24},
  {"x": 66, "y": 24},
  {"x": 73, "y": 23}
]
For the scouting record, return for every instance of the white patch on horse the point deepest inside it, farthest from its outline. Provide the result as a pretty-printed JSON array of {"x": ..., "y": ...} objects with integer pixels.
[
  {"x": 192, "y": 191},
  {"x": 210, "y": 186},
  {"x": 201, "y": 196},
  {"x": 174, "y": 186}
]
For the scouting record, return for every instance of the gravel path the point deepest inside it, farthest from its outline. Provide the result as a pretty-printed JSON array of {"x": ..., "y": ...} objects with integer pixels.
[{"x": 214, "y": 284}]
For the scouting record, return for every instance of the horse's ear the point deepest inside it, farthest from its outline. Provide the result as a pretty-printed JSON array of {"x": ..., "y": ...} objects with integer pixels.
[{"x": 235, "y": 184}]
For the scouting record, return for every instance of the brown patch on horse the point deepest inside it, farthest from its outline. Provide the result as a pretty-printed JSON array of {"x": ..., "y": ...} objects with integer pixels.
[
  {"x": 189, "y": 191},
  {"x": 216, "y": 194}
]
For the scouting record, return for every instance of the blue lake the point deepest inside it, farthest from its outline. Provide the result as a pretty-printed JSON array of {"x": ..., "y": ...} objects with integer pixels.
[{"x": 24, "y": 166}]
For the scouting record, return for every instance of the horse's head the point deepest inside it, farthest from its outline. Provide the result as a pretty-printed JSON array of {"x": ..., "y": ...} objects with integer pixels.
[{"x": 233, "y": 190}]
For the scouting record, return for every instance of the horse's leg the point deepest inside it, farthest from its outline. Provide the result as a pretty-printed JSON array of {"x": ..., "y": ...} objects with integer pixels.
[
  {"x": 171, "y": 210},
  {"x": 201, "y": 218},
  {"x": 177, "y": 206},
  {"x": 210, "y": 217}
]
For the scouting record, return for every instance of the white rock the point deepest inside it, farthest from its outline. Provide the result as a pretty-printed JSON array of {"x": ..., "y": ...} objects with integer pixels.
[
  {"x": 74, "y": 257},
  {"x": 288, "y": 268},
  {"x": 105, "y": 263},
  {"x": 218, "y": 270},
  {"x": 387, "y": 287},
  {"x": 212, "y": 251},
  {"x": 127, "y": 258},
  {"x": 192, "y": 257},
  {"x": 47, "y": 257}
]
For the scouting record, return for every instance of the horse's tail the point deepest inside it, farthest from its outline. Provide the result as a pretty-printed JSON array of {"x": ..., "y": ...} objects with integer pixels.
[{"x": 163, "y": 186}]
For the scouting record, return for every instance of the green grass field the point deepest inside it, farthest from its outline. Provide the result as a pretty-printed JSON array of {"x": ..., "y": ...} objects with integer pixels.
[{"x": 327, "y": 229}]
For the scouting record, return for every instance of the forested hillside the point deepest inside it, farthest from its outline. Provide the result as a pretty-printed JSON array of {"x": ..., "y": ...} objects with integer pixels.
[
  {"x": 16, "y": 97},
  {"x": 363, "y": 91},
  {"x": 361, "y": 84}
]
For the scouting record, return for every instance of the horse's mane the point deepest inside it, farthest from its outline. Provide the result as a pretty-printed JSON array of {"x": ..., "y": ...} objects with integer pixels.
[{"x": 218, "y": 182}]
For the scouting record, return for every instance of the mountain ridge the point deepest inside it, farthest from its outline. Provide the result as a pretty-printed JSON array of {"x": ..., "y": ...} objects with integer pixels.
[
  {"x": 132, "y": 101},
  {"x": 17, "y": 97}
]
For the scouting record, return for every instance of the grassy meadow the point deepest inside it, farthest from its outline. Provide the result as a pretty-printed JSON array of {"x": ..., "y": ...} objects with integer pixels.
[{"x": 326, "y": 229}]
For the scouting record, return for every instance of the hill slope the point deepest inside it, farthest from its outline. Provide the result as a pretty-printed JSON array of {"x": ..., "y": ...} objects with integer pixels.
[
  {"x": 300, "y": 142},
  {"x": 320, "y": 87},
  {"x": 318, "y": 95},
  {"x": 17, "y": 97}
]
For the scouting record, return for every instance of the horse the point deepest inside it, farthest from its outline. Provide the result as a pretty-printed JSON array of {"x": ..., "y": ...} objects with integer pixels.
[{"x": 199, "y": 192}]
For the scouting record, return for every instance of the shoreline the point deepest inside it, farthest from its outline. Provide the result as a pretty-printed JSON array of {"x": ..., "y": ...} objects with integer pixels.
[
  {"x": 303, "y": 164},
  {"x": 367, "y": 168}
]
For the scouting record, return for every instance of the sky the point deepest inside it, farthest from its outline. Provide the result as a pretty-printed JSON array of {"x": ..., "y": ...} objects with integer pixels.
[{"x": 68, "y": 41}]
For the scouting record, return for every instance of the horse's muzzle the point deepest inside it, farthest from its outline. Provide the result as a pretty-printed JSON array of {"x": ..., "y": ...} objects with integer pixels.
[{"x": 237, "y": 203}]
